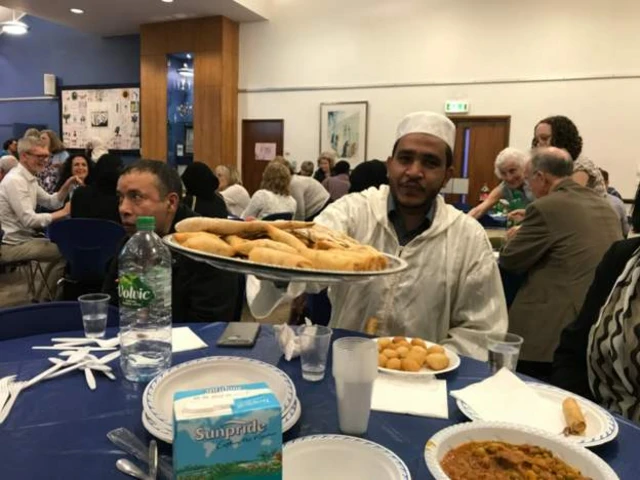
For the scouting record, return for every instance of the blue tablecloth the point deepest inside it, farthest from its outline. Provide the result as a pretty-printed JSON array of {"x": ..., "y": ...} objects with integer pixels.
[{"x": 58, "y": 428}]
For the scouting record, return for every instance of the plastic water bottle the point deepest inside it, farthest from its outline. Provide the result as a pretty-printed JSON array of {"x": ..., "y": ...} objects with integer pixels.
[{"x": 144, "y": 288}]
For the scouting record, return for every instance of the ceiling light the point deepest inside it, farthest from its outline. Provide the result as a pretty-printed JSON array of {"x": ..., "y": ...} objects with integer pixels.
[
  {"x": 167, "y": 1},
  {"x": 14, "y": 27},
  {"x": 77, "y": 11},
  {"x": 185, "y": 71}
]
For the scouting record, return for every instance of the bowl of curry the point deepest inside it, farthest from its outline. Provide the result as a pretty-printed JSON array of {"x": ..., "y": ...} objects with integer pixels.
[{"x": 503, "y": 451}]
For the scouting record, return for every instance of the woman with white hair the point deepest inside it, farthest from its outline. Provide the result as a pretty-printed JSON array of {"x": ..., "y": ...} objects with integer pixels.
[{"x": 509, "y": 167}]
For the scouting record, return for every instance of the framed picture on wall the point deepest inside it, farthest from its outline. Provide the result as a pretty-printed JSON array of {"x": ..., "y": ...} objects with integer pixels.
[
  {"x": 188, "y": 139},
  {"x": 343, "y": 130},
  {"x": 109, "y": 113}
]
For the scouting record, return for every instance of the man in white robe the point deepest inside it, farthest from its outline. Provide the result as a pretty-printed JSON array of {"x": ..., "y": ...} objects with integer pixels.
[{"x": 451, "y": 293}]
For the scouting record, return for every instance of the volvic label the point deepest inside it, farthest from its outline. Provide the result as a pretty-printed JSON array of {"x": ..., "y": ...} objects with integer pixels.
[{"x": 133, "y": 292}]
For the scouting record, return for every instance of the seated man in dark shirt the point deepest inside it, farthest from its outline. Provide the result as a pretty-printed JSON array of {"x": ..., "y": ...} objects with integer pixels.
[{"x": 200, "y": 293}]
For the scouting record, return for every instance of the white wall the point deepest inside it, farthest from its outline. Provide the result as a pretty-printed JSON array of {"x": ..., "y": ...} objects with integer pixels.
[{"x": 454, "y": 49}]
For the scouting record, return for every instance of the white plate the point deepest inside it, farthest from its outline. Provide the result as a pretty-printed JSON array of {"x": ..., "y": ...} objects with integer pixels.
[
  {"x": 157, "y": 400},
  {"x": 589, "y": 464},
  {"x": 454, "y": 362},
  {"x": 601, "y": 426},
  {"x": 166, "y": 435},
  {"x": 284, "y": 274},
  {"x": 339, "y": 457}
]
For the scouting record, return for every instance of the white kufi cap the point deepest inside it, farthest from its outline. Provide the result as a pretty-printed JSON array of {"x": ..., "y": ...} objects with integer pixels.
[{"x": 430, "y": 123}]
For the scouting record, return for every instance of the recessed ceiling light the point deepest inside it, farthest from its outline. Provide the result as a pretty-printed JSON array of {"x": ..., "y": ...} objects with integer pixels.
[
  {"x": 167, "y": 1},
  {"x": 77, "y": 11}
]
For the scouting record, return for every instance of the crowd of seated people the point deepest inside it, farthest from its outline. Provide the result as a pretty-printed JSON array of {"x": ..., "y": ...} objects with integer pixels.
[{"x": 575, "y": 309}]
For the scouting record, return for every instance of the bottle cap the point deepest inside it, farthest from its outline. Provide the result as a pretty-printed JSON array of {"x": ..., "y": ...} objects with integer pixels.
[{"x": 146, "y": 223}]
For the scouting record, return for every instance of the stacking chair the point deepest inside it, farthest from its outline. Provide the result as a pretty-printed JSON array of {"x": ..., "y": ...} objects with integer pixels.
[
  {"x": 279, "y": 216},
  {"x": 31, "y": 269},
  {"x": 42, "y": 318},
  {"x": 87, "y": 245}
]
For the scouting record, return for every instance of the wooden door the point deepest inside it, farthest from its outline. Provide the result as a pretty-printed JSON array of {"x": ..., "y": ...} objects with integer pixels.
[
  {"x": 258, "y": 131},
  {"x": 478, "y": 142}
]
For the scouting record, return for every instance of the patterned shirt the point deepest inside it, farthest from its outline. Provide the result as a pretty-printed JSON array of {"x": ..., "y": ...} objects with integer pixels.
[
  {"x": 596, "y": 182},
  {"x": 614, "y": 342}
]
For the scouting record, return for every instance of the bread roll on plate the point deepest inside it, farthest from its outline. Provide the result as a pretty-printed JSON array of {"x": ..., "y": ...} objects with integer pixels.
[
  {"x": 210, "y": 243},
  {"x": 222, "y": 226},
  {"x": 276, "y": 257}
]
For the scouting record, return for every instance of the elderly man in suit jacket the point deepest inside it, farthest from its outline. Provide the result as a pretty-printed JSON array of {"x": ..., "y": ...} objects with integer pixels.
[{"x": 559, "y": 244}]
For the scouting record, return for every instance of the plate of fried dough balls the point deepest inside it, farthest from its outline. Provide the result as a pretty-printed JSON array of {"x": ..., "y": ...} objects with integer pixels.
[{"x": 414, "y": 356}]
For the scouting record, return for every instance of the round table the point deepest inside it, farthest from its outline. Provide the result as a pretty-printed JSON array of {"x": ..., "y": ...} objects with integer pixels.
[{"x": 57, "y": 429}]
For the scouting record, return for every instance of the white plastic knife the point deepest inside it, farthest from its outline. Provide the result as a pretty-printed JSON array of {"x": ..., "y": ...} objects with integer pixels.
[
  {"x": 91, "y": 380},
  {"x": 74, "y": 347}
]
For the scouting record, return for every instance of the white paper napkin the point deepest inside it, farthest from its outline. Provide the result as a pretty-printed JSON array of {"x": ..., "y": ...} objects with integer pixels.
[
  {"x": 183, "y": 339},
  {"x": 505, "y": 398},
  {"x": 423, "y": 397},
  {"x": 288, "y": 341}
]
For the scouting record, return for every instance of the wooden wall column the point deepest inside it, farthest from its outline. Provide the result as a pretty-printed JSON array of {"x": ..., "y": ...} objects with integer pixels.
[{"x": 214, "y": 44}]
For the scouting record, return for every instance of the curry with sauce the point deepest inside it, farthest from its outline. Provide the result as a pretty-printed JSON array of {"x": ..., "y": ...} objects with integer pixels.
[{"x": 506, "y": 461}]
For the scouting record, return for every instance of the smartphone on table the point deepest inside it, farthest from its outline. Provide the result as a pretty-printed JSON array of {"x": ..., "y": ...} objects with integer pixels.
[{"x": 239, "y": 334}]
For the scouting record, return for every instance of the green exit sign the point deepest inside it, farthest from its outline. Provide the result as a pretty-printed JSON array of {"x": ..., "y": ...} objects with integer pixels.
[{"x": 456, "y": 106}]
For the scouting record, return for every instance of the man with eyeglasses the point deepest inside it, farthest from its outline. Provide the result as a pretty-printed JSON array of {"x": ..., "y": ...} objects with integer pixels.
[
  {"x": 20, "y": 194},
  {"x": 564, "y": 234}
]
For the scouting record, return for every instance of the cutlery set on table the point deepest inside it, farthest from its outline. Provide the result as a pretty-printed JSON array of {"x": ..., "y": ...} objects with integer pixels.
[
  {"x": 159, "y": 466},
  {"x": 73, "y": 354}
]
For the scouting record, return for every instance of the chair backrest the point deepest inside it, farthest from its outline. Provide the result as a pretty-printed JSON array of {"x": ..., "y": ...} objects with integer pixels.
[
  {"x": 41, "y": 318},
  {"x": 490, "y": 222},
  {"x": 279, "y": 216},
  {"x": 87, "y": 245}
]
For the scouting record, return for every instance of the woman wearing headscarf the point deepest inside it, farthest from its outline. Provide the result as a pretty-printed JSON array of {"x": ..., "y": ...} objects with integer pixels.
[
  {"x": 96, "y": 148},
  {"x": 99, "y": 200},
  {"x": 368, "y": 174},
  {"x": 201, "y": 197}
]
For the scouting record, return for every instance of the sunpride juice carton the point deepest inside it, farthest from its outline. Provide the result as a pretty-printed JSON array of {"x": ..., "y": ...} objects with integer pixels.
[{"x": 227, "y": 433}]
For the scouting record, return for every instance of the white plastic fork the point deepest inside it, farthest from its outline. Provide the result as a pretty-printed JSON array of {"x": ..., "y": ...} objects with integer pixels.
[
  {"x": 77, "y": 356},
  {"x": 14, "y": 390},
  {"x": 4, "y": 389},
  {"x": 93, "y": 365},
  {"x": 108, "y": 343}
]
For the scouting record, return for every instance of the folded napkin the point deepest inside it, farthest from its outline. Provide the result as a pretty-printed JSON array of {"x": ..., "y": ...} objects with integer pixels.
[
  {"x": 183, "y": 339},
  {"x": 423, "y": 397},
  {"x": 505, "y": 398},
  {"x": 288, "y": 341}
]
